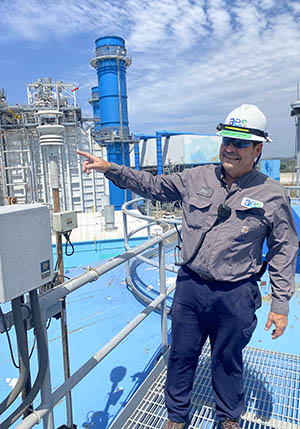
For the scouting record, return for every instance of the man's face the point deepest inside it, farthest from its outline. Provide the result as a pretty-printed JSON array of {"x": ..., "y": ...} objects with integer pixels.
[{"x": 238, "y": 162}]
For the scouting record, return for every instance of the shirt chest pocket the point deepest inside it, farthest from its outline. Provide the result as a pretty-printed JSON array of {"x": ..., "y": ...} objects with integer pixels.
[
  {"x": 250, "y": 224},
  {"x": 198, "y": 212}
]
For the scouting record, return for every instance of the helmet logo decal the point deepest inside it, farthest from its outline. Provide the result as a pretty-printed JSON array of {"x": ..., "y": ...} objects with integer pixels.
[{"x": 238, "y": 122}]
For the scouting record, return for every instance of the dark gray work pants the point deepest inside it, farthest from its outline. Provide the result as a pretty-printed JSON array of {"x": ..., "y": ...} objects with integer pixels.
[{"x": 224, "y": 312}]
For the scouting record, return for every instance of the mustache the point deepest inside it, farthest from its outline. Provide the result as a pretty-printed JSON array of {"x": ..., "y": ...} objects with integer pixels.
[{"x": 231, "y": 155}]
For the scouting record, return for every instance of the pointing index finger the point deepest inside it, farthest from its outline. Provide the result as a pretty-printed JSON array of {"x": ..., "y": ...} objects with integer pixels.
[{"x": 86, "y": 154}]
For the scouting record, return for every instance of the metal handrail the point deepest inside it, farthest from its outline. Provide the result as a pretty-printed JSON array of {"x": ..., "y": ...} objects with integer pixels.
[
  {"x": 290, "y": 188},
  {"x": 52, "y": 296},
  {"x": 150, "y": 221}
]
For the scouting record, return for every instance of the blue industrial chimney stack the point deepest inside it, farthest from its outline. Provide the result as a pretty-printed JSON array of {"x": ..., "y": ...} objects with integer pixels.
[
  {"x": 94, "y": 102},
  {"x": 110, "y": 105}
]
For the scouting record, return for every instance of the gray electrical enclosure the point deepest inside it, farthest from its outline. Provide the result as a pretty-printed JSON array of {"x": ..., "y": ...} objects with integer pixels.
[{"x": 25, "y": 249}]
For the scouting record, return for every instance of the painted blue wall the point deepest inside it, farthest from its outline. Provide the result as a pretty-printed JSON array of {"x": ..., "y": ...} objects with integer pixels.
[{"x": 271, "y": 167}]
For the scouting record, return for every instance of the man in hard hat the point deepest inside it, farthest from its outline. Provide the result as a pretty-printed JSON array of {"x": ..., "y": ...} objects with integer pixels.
[{"x": 228, "y": 212}]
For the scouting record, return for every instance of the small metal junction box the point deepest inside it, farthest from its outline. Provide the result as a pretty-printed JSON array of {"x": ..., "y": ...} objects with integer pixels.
[
  {"x": 64, "y": 221},
  {"x": 26, "y": 261}
]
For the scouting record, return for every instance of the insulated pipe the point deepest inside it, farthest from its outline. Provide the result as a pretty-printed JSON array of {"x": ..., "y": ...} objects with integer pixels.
[
  {"x": 159, "y": 153},
  {"x": 23, "y": 355},
  {"x": 43, "y": 359}
]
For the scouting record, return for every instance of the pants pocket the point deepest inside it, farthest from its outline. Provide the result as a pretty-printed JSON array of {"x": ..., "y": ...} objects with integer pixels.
[{"x": 247, "y": 332}]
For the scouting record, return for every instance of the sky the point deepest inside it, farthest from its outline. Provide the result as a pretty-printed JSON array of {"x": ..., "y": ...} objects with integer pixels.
[{"x": 193, "y": 61}]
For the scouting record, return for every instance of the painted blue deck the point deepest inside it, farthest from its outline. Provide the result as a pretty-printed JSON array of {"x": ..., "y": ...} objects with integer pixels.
[{"x": 88, "y": 252}]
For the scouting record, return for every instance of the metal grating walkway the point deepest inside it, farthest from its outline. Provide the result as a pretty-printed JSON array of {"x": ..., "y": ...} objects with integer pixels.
[{"x": 272, "y": 389}]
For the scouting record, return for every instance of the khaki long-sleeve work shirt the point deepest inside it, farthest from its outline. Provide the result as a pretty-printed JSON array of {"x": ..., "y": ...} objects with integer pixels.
[{"x": 231, "y": 249}]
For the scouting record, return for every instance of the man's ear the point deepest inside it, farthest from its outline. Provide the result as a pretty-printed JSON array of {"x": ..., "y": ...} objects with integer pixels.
[{"x": 258, "y": 149}]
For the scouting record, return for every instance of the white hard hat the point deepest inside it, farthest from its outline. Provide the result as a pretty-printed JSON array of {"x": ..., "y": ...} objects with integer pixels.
[{"x": 245, "y": 122}]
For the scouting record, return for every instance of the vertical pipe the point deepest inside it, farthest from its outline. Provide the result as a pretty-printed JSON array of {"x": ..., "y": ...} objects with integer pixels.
[
  {"x": 137, "y": 156},
  {"x": 148, "y": 211},
  {"x": 43, "y": 173},
  {"x": 46, "y": 390},
  {"x": 23, "y": 159},
  {"x": 297, "y": 154},
  {"x": 6, "y": 174},
  {"x": 79, "y": 168},
  {"x": 63, "y": 182},
  {"x": 162, "y": 281},
  {"x": 63, "y": 320},
  {"x": 120, "y": 101},
  {"x": 39, "y": 323},
  {"x": 32, "y": 169},
  {"x": 159, "y": 153},
  {"x": 93, "y": 173},
  {"x": 27, "y": 386},
  {"x": 64, "y": 330},
  {"x": 126, "y": 243},
  {"x": 67, "y": 156}
]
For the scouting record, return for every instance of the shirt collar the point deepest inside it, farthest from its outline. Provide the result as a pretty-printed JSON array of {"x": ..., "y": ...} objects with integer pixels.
[{"x": 240, "y": 181}]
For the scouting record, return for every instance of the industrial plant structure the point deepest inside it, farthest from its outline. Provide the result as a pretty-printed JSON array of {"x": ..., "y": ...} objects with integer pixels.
[{"x": 38, "y": 141}]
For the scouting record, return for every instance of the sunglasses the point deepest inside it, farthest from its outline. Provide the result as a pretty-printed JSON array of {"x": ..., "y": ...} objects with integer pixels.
[{"x": 237, "y": 143}]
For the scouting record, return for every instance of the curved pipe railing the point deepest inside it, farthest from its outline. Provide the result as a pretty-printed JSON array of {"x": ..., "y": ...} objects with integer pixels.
[{"x": 149, "y": 221}]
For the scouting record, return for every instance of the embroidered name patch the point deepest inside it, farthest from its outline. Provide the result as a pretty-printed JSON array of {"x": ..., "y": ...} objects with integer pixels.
[{"x": 252, "y": 204}]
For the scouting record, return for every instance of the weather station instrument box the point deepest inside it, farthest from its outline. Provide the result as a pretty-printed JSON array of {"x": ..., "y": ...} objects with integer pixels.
[
  {"x": 26, "y": 261},
  {"x": 64, "y": 221}
]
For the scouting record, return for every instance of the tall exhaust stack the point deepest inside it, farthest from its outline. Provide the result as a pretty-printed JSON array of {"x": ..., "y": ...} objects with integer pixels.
[{"x": 111, "y": 63}]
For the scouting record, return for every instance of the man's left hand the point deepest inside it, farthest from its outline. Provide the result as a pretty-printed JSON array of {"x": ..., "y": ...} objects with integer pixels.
[{"x": 280, "y": 321}]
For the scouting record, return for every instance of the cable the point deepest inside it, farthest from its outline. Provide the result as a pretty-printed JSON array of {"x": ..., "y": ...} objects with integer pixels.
[
  {"x": 43, "y": 361},
  {"x": 33, "y": 345},
  {"x": 23, "y": 355},
  {"x": 8, "y": 338},
  {"x": 58, "y": 262},
  {"x": 68, "y": 241},
  {"x": 178, "y": 232}
]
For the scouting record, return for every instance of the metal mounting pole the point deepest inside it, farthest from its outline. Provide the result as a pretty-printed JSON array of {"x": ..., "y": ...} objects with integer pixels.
[
  {"x": 162, "y": 281},
  {"x": 59, "y": 251}
]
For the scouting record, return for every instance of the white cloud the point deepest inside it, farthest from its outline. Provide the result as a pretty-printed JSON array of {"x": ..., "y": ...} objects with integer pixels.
[
  {"x": 37, "y": 20},
  {"x": 193, "y": 60},
  {"x": 295, "y": 5}
]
